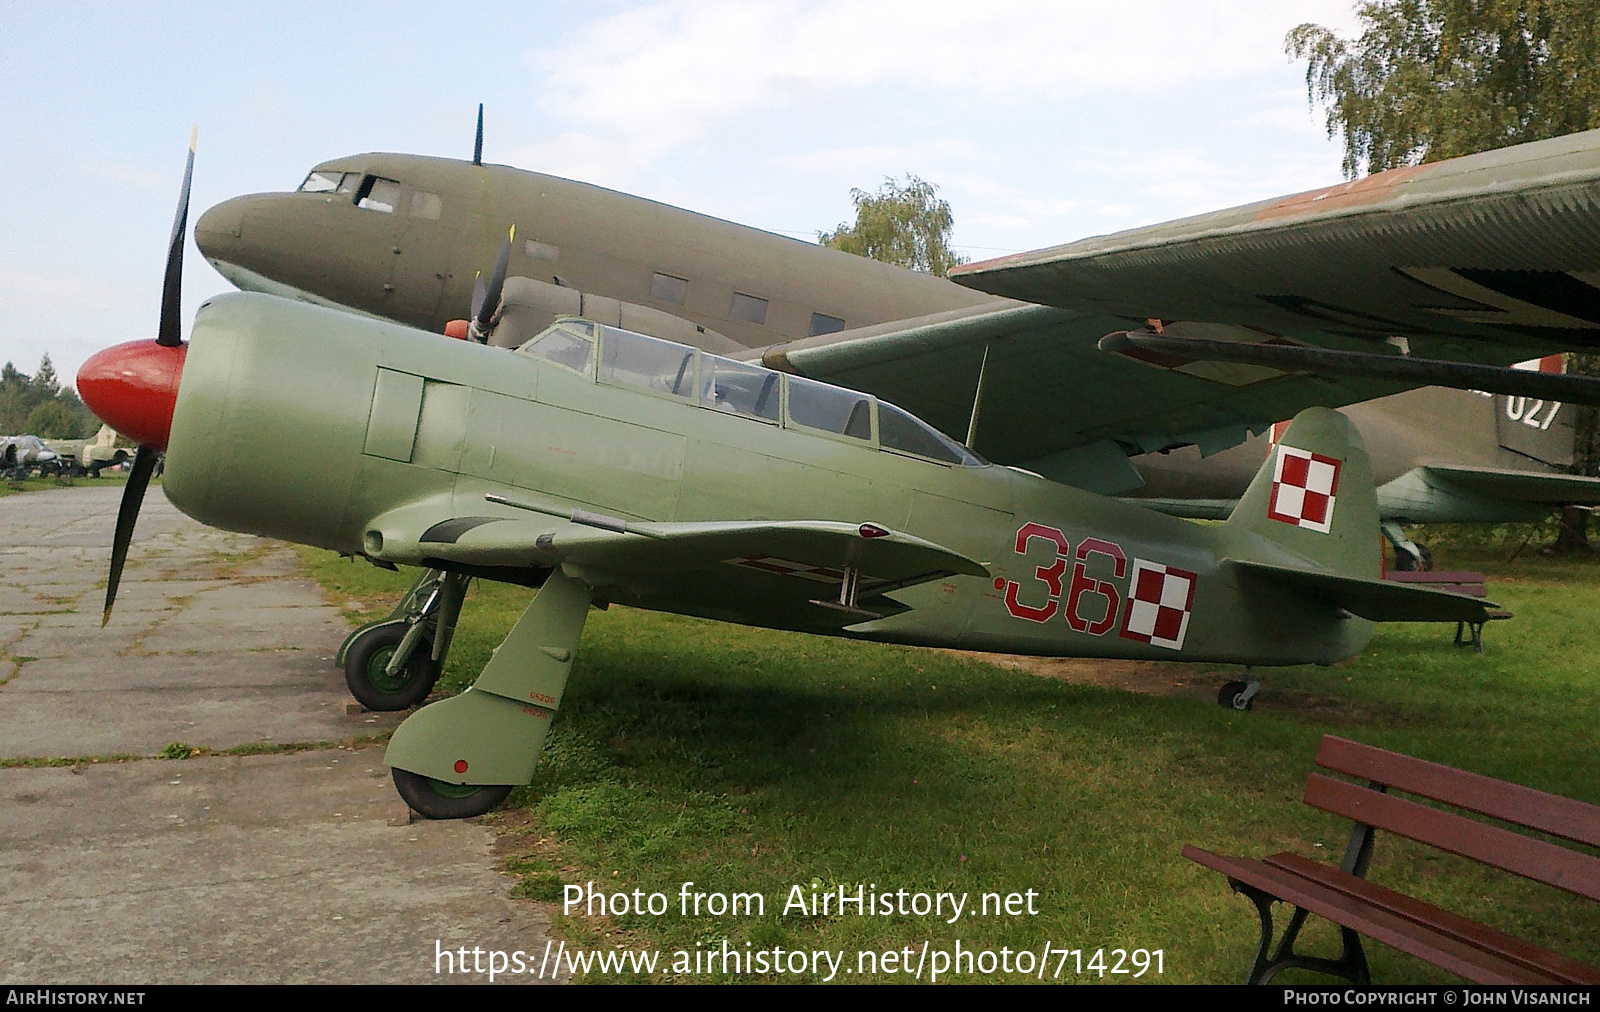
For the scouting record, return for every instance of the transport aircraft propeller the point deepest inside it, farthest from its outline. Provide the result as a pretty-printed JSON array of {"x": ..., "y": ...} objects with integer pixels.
[{"x": 486, "y": 298}]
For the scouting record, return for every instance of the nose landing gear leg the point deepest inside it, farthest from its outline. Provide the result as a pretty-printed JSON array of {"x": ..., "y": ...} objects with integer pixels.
[{"x": 461, "y": 756}]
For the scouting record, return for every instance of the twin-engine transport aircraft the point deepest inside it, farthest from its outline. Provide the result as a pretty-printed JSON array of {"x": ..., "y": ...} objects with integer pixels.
[
  {"x": 1483, "y": 259},
  {"x": 602, "y": 465}
]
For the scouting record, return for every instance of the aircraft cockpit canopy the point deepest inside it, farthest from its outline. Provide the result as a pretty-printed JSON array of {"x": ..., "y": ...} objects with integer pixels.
[
  {"x": 677, "y": 371},
  {"x": 370, "y": 192}
]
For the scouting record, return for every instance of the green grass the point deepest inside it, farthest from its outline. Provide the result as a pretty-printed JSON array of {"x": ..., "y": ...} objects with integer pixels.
[
  {"x": 38, "y": 484},
  {"x": 749, "y": 760}
]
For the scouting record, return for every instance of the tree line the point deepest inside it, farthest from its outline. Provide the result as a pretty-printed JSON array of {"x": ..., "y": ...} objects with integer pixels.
[{"x": 39, "y": 405}]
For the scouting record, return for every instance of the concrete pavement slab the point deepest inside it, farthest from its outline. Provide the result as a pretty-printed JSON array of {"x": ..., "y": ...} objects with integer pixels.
[{"x": 279, "y": 867}]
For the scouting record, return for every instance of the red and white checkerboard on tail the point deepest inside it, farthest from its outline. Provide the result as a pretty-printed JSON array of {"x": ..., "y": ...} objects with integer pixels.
[
  {"x": 1160, "y": 599},
  {"x": 1304, "y": 485}
]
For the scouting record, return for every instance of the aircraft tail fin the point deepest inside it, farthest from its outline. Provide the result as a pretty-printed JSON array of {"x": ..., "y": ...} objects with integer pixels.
[
  {"x": 1308, "y": 526},
  {"x": 1313, "y": 501}
]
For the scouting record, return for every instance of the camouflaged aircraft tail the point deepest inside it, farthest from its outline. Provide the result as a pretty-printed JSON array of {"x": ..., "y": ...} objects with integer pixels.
[{"x": 1313, "y": 501}]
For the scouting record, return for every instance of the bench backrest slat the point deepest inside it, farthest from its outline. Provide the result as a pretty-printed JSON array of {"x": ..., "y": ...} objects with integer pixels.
[
  {"x": 1539, "y": 860},
  {"x": 1547, "y": 813}
]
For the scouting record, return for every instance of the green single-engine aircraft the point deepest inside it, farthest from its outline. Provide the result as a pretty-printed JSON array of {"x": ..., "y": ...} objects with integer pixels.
[{"x": 605, "y": 466}]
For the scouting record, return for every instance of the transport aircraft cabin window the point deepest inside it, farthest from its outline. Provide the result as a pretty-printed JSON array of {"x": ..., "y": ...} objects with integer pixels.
[
  {"x": 822, "y": 323},
  {"x": 902, "y": 431},
  {"x": 425, "y": 205},
  {"x": 749, "y": 308},
  {"x": 743, "y": 389},
  {"x": 378, "y": 194},
  {"x": 831, "y": 409},
  {"x": 669, "y": 289},
  {"x": 563, "y": 347},
  {"x": 638, "y": 361}
]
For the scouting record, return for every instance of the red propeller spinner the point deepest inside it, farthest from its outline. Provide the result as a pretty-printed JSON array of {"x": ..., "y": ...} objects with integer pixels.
[{"x": 133, "y": 387}]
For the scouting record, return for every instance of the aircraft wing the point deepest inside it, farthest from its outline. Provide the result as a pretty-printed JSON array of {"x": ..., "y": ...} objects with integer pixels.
[
  {"x": 717, "y": 567},
  {"x": 1493, "y": 258}
]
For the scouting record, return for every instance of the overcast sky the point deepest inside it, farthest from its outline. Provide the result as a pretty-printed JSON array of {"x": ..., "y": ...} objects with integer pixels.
[{"x": 1041, "y": 122}]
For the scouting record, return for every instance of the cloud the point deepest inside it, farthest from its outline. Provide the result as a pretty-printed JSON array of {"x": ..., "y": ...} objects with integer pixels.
[
  {"x": 1179, "y": 182},
  {"x": 638, "y": 84},
  {"x": 870, "y": 157}
]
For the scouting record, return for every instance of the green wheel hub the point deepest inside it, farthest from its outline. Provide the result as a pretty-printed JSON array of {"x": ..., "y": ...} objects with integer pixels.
[{"x": 378, "y": 673}]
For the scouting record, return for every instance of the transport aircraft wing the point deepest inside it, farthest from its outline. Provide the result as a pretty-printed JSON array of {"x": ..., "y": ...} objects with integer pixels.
[{"x": 1201, "y": 330}]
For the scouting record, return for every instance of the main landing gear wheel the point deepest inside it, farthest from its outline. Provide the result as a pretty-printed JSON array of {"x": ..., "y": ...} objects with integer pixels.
[
  {"x": 367, "y": 661},
  {"x": 435, "y": 799},
  {"x": 1405, "y": 562},
  {"x": 1236, "y": 695}
]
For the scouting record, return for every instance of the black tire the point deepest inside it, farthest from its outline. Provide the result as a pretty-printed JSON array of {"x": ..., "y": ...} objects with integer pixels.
[
  {"x": 368, "y": 656},
  {"x": 1229, "y": 695},
  {"x": 433, "y": 799}
]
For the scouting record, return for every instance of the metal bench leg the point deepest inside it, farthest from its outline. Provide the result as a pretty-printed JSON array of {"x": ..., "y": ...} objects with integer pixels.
[
  {"x": 1263, "y": 902},
  {"x": 1476, "y": 642},
  {"x": 1351, "y": 964}
]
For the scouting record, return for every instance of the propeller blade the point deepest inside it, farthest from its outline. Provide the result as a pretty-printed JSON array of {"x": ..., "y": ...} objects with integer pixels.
[
  {"x": 477, "y": 148},
  {"x": 144, "y": 462},
  {"x": 479, "y": 292},
  {"x": 170, "y": 331},
  {"x": 497, "y": 281}
]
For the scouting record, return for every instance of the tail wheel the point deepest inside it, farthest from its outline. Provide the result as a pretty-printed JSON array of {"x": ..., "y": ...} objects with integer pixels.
[
  {"x": 366, "y": 669},
  {"x": 1232, "y": 696},
  {"x": 435, "y": 799}
]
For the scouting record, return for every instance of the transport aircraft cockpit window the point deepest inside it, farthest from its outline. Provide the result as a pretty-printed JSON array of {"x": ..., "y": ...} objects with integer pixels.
[
  {"x": 905, "y": 433},
  {"x": 378, "y": 194},
  {"x": 831, "y": 409},
  {"x": 564, "y": 347},
  {"x": 743, "y": 389},
  {"x": 638, "y": 361},
  {"x": 321, "y": 182}
]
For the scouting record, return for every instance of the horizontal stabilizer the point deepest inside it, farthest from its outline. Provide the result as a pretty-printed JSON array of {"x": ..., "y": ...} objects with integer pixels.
[
  {"x": 1377, "y": 600},
  {"x": 1521, "y": 486}
]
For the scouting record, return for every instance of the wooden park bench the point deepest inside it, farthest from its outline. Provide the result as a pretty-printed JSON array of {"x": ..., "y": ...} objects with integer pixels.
[
  {"x": 1343, "y": 894},
  {"x": 1456, "y": 581}
]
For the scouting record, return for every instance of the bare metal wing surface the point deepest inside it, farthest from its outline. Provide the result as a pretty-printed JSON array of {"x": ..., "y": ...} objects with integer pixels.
[{"x": 1493, "y": 258}]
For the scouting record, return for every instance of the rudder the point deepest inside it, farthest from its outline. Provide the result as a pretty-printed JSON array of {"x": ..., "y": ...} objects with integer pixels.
[{"x": 1314, "y": 499}]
